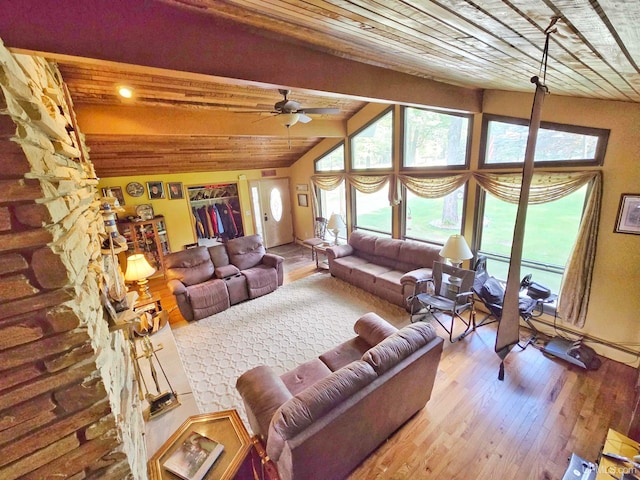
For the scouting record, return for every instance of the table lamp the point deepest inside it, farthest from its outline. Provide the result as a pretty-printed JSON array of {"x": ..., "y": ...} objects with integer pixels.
[
  {"x": 138, "y": 270},
  {"x": 456, "y": 250},
  {"x": 334, "y": 225}
]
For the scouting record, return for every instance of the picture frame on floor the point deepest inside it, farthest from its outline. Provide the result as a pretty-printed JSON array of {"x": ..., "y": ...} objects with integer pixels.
[{"x": 628, "y": 220}]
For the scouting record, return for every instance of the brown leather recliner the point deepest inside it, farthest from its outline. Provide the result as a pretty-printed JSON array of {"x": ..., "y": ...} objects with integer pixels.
[{"x": 206, "y": 281}]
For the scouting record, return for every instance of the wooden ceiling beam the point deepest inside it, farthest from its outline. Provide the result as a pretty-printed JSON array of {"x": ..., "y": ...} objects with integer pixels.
[{"x": 131, "y": 120}]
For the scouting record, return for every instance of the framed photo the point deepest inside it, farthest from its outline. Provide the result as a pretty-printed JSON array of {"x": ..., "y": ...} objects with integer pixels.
[
  {"x": 628, "y": 214},
  {"x": 303, "y": 200},
  {"x": 176, "y": 191},
  {"x": 114, "y": 192},
  {"x": 302, "y": 187},
  {"x": 155, "y": 189}
]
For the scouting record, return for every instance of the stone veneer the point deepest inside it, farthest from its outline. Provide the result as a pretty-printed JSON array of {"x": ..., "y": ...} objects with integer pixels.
[{"x": 69, "y": 406}]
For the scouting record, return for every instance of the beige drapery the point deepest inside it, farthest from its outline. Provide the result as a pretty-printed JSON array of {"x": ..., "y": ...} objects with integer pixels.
[
  {"x": 545, "y": 187},
  {"x": 427, "y": 187}
]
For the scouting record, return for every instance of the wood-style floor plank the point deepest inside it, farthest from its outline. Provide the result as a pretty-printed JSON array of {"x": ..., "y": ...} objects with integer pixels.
[{"x": 477, "y": 427}]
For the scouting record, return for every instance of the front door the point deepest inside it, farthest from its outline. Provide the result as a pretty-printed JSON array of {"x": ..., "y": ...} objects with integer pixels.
[{"x": 271, "y": 198}]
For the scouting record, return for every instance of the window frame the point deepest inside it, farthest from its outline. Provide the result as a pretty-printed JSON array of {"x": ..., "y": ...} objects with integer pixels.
[
  {"x": 354, "y": 215},
  {"x": 467, "y": 158},
  {"x": 326, "y": 154},
  {"x": 598, "y": 160},
  {"x": 403, "y": 216},
  {"x": 478, "y": 230},
  {"x": 364, "y": 127}
]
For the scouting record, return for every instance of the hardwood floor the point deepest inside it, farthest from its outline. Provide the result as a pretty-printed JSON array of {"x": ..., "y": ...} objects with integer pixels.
[{"x": 477, "y": 427}]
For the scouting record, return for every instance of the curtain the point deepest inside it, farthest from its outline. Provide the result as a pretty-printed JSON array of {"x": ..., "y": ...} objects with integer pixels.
[
  {"x": 433, "y": 187},
  {"x": 576, "y": 282},
  {"x": 546, "y": 187}
]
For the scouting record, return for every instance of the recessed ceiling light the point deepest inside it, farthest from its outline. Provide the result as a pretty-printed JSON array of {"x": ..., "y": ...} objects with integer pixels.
[{"x": 125, "y": 92}]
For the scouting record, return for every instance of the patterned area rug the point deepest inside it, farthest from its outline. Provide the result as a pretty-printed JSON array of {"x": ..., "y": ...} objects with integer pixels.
[{"x": 283, "y": 329}]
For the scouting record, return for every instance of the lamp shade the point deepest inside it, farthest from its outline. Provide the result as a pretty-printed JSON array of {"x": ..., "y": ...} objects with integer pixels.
[
  {"x": 456, "y": 249},
  {"x": 335, "y": 222},
  {"x": 138, "y": 268},
  {"x": 288, "y": 119}
]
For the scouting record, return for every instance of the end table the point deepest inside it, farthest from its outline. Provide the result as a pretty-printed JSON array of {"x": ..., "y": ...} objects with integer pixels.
[{"x": 239, "y": 460}]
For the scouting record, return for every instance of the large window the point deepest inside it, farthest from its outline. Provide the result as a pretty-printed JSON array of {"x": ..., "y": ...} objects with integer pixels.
[
  {"x": 372, "y": 147},
  {"x": 332, "y": 161},
  {"x": 434, "y": 139},
  {"x": 433, "y": 219},
  {"x": 550, "y": 233},
  {"x": 373, "y": 212},
  {"x": 505, "y": 141}
]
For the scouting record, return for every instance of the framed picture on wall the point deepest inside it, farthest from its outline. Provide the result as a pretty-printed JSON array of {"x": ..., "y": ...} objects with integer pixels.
[
  {"x": 303, "y": 200},
  {"x": 114, "y": 192},
  {"x": 156, "y": 190},
  {"x": 628, "y": 214},
  {"x": 176, "y": 191}
]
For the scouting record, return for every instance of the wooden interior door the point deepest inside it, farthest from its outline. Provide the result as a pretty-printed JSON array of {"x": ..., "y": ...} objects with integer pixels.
[{"x": 274, "y": 203}]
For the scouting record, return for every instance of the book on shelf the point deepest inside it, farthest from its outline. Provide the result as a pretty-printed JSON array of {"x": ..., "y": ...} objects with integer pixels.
[{"x": 193, "y": 459}]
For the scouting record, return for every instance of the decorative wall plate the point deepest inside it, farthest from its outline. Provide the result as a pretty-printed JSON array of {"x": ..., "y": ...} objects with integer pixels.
[
  {"x": 135, "y": 189},
  {"x": 145, "y": 211}
]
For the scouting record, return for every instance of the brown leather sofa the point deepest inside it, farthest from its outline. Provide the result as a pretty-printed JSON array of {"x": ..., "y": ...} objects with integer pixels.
[
  {"x": 323, "y": 418},
  {"x": 207, "y": 280},
  {"x": 386, "y": 267}
]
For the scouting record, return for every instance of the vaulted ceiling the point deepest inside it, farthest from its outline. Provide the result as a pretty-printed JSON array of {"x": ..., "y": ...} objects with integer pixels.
[{"x": 197, "y": 66}]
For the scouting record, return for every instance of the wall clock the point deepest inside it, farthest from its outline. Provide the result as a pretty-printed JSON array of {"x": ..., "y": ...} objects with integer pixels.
[{"x": 135, "y": 189}]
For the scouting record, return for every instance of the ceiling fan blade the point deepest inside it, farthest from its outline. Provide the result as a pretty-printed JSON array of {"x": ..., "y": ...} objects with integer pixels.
[
  {"x": 320, "y": 111},
  {"x": 303, "y": 118}
]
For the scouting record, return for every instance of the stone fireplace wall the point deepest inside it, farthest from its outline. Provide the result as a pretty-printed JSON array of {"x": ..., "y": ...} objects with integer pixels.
[{"x": 68, "y": 401}]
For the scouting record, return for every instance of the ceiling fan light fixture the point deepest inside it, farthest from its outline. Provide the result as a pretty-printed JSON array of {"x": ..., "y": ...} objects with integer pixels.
[{"x": 288, "y": 119}]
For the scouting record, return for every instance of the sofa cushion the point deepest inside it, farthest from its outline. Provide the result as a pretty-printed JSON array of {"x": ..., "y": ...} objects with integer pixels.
[
  {"x": 246, "y": 252},
  {"x": 260, "y": 280},
  {"x": 219, "y": 256},
  {"x": 373, "y": 328},
  {"x": 416, "y": 255},
  {"x": 390, "y": 281},
  {"x": 314, "y": 402},
  {"x": 399, "y": 346},
  {"x": 345, "y": 353},
  {"x": 305, "y": 375},
  {"x": 190, "y": 266},
  {"x": 208, "y": 298}
]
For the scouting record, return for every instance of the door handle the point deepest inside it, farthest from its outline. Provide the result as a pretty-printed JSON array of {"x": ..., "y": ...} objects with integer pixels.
[{"x": 266, "y": 218}]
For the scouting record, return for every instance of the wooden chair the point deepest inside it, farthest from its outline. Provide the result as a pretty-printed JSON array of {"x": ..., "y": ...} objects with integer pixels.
[{"x": 319, "y": 232}]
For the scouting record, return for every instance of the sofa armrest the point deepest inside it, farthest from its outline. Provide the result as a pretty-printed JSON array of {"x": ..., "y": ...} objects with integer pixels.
[
  {"x": 272, "y": 260},
  {"x": 226, "y": 271},
  {"x": 176, "y": 287},
  {"x": 416, "y": 277},
  {"x": 338, "y": 251},
  {"x": 263, "y": 392}
]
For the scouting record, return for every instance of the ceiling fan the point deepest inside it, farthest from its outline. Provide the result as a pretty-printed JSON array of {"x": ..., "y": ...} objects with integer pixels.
[{"x": 289, "y": 112}]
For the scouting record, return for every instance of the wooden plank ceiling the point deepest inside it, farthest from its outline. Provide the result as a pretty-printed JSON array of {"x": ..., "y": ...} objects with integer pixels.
[
  {"x": 96, "y": 83},
  {"x": 489, "y": 44}
]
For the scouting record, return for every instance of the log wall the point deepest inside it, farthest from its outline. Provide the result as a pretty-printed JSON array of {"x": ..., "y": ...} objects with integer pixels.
[{"x": 68, "y": 401}]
